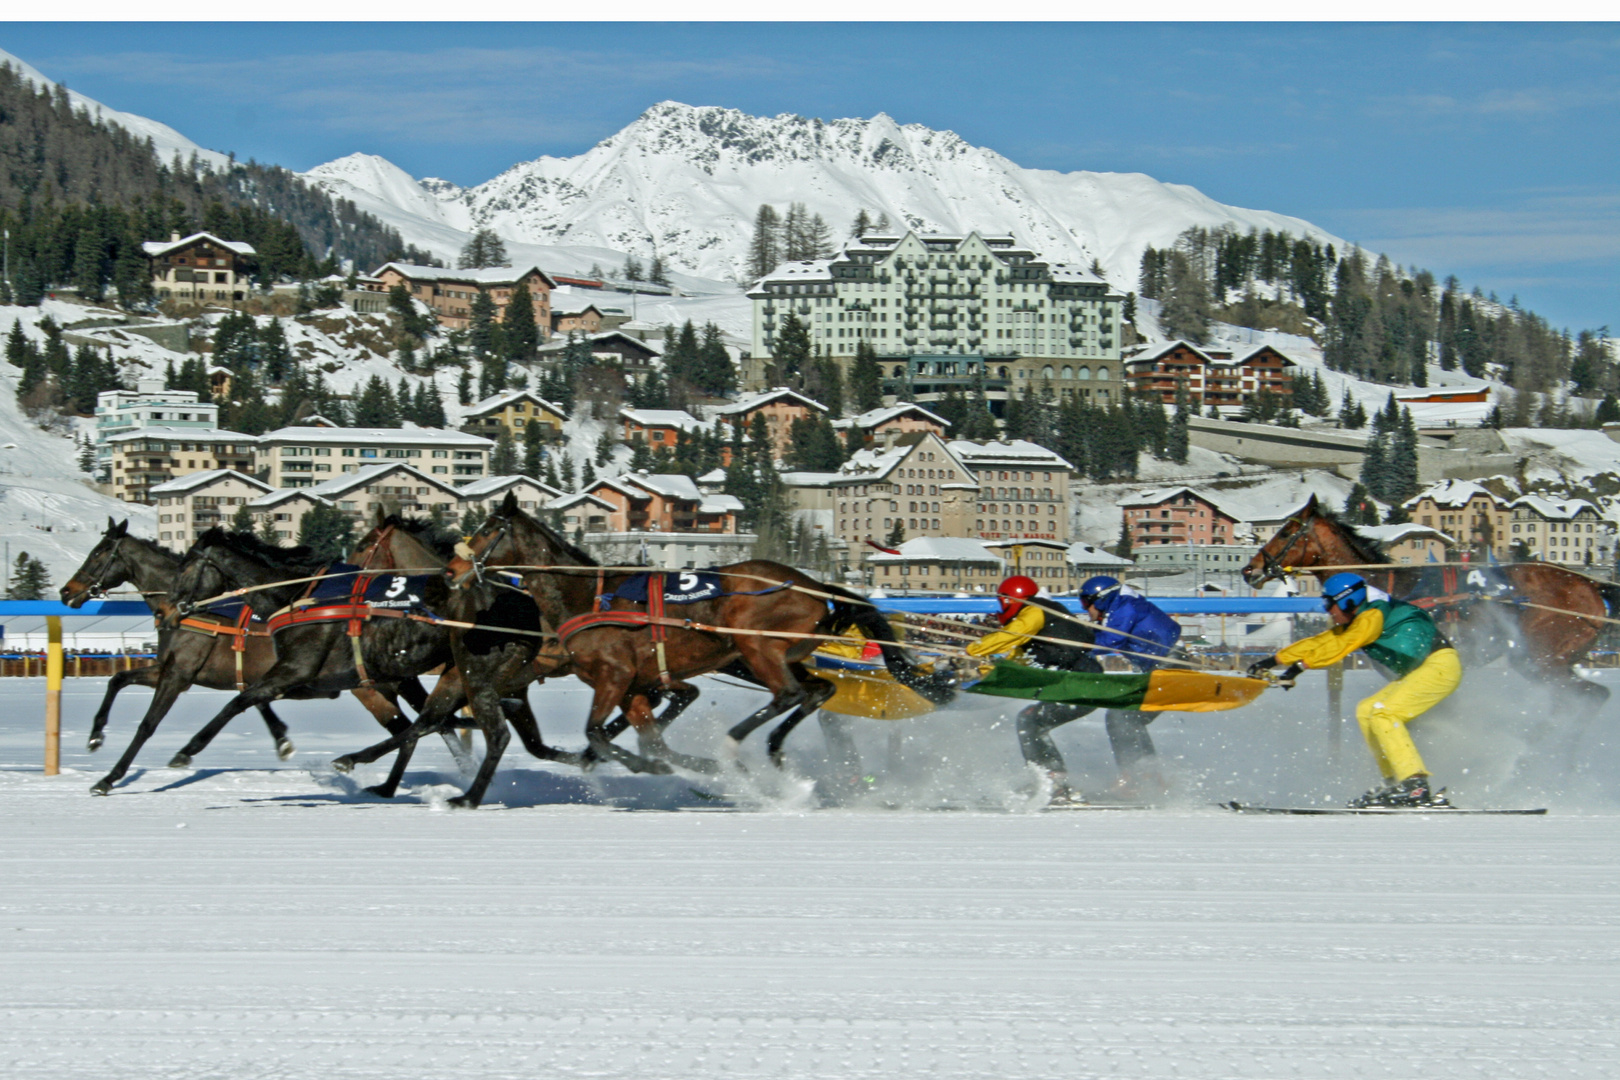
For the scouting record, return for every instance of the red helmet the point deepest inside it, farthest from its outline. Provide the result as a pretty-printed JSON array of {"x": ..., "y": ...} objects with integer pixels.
[{"x": 1013, "y": 592}]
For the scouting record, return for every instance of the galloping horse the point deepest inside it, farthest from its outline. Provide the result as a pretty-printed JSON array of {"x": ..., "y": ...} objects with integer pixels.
[{"x": 1483, "y": 609}]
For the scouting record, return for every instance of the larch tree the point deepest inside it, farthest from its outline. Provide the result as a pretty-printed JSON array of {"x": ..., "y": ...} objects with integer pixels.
[{"x": 485, "y": 249}]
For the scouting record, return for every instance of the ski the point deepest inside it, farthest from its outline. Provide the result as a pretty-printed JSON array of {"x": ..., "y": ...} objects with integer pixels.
[{"x": 1251, "y": 808}]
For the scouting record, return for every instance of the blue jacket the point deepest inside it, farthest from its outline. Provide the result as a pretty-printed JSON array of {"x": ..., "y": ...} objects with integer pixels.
[{"x": 1136, "y": 615}]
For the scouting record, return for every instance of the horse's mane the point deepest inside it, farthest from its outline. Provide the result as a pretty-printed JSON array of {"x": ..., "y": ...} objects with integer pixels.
[
  {"x": 251, "y": 547},
  {"x": 437, "y": 537},
  {"x": 156, "y": 548},
  {"x": 557, "y": 540},
  {"x": 1364, "y": 548}
]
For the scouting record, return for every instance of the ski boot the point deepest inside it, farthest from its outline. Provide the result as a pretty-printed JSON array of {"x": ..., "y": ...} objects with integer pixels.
[
  {"x": 1062, "y": 793},
  {"x": 1413, "y": 792}
]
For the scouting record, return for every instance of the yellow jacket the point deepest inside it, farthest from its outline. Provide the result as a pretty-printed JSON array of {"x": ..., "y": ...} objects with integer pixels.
[
  {"x": 1331, "y": 646},
  {"x": 1011, "y": 638},
  {"x": 846, "y": 650}
]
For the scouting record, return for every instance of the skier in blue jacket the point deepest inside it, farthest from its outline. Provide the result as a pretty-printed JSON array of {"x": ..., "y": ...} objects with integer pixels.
[{"x": 1129, "y": 622}]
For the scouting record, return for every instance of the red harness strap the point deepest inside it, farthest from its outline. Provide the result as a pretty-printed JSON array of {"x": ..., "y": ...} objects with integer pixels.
[{"x": 238, "y": 632}]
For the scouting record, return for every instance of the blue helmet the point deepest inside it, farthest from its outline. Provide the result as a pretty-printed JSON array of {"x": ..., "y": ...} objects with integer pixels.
[
  {"x": 1097, "y": 587},
  {"x": 1346, "y": 591}
]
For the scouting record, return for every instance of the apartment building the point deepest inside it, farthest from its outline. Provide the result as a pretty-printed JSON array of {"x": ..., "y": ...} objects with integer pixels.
[
  {"x": 284, "y": 509},
  {"x": 949, "y": 564},
  {"x": 1212, "y": 376},
  {"x": 1409, "y": 544},
  {"x": 397, "y": 488},
  {"x": 780, "y": 408},
  {"x": 450, "y": 293},
  {"x": 191, "y": 505},
  {"x": 881, "y": 425},
  {"x": 146, "y": 457},
  {"x": 1570, "y": 531},
  {"x": 1023, "y": 490},
  {"x": 308, "y": 456},
  {"x": 1478, "y": 519},
  {"x": 951, "y": 312},
  {"x": 660, "y": 429},
  {"x": 486, "y": 494},
  {"x": 200, "y": 268},
  {"x": 663, "y": 502},
  {"x": 1177, "y": 515},
  {"x": 119, "y": 412}
]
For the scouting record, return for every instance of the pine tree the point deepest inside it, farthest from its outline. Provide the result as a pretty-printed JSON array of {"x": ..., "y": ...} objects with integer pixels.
[
  {"x": 242, "y": 520},
  {"x": 1123, "y": 547},
  {"x": 656, "y": 272},
  {"x": 503, "y": 460},
  {"x": 327, "y": 531},
  {"x": 765, "y": 250},
  {"x": 1403, "y": 464},
  {"x": 485, "y": 249},
  {"x": 30, "y": 580},
  {"x": 714, "y": 373},
  {"x": 605, "y": 444},
  {"x": 464, "y": 388},
  {"x": 483, "y": 332},
  {"x": 375, "y": 406},
  {"x": 792, "y": 347},
  {"x": 632, "y": 268},
  {"x": 897, "y": 533},
  {"x": 519, "y": 329},
  {"x": 565, "y": 473},
  {"x": 1186, "y": 312},
  {"x": 472, "y": 519},
  {"x": 866, "y": 379},
  {"x": 862, "y": 226},
  {"x": 820, "y": 239},
  {"x": 1180, "y": 433},
  {"x": 533, "y": 450},
  {"x": 1375, "y": 462},
  {"x": 1359, "y": 508},
  {"x": 268, "y": 532},
  {"x": 1351, "y": 413}
]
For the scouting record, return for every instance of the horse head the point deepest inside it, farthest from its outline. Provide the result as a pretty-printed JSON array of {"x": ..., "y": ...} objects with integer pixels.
[
  {"x": 103, "y": 569},
  {"x": 1294, "y": 544}
]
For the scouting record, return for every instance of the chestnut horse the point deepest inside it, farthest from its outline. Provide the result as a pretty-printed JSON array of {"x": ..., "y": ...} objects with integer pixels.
[{"x": 1481, "y": 609}]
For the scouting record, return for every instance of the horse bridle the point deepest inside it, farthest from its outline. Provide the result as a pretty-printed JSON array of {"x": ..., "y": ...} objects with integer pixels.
[
  {"x": 479, "y": 558},
  {"x": 1272, "y": 565},
  {"x": 96, "y": 588}
]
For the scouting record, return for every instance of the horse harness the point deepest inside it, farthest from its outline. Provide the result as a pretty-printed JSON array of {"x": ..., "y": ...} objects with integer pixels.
[{"x": 236, "y": 629}]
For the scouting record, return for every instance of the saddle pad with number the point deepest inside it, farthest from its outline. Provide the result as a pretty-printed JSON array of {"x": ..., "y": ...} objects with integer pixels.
[
  {"x": 680, "y": 587},
  {"x": 384, "y": 590}
]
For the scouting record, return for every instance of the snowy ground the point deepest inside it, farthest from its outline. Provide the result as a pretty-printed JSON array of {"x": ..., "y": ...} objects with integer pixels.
[{"x": 259, "y": 919}]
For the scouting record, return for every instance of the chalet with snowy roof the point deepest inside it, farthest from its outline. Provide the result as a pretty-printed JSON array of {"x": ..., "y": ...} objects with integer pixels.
[
  {"x": 585, "y": 320},
  {"x": 637, "y": 357},
  {"x": 397, "y": 488},
  {"x": 486, "y": 494},
  {"x": 283, "y": 510},
  {"x": 883, "y": 425},
  {"x": 780, "y": 408},
  {"x": 1212, "y": 376},
  {"x": 200, "y": 268},
  {"x": 450, "y": 293},
  {"x": 1473, "y": 514},
  {"x": 584, "y": 513},
  {"x": 660, "y": 429},
  {"x": 191, "y": 505},
  {"x": 1571, "y": 531},
  {"x": 949, "y": 564},
  {"x": 949, "y": 312},
  {"x": 1409, "y": 543},
  {"x": 1176, "y": 515},
  {"x": 664, "y": 502},
  {"x": 513, "y": 412}
]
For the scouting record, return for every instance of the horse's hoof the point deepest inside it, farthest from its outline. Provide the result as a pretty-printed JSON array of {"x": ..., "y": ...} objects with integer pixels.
[
  {"x": 285, "y": 748},
  {"x": 461, "y": 802},
  {"x": 101, "y": 787},
  {"x": 182, "y": 760},
  {"x": 344, "y": 764},
  {"x": 382, "y": 791},
  {"x": 94, "y": 743}
]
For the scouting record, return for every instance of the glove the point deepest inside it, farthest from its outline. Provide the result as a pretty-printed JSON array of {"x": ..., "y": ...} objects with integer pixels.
[
  {"x": 1292, "y": 672},
  {"x": 1258, "y": 669}
]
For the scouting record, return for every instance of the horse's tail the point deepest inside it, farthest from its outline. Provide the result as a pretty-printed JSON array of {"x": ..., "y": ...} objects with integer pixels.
[{"x": 850, "y": 610}]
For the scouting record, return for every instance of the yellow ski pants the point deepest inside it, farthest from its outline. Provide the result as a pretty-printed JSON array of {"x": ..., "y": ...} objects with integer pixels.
[{"x": 1384, "y": 716}]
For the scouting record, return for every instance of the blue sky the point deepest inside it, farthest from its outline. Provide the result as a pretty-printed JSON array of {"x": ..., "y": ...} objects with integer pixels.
[{"x": 1484, "y": 151}]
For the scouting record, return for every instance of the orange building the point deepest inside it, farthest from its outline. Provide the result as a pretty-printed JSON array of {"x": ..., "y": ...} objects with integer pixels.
[
  {"x": 780, "y": 407},
  {"x": 1212, "y": 376},
  {"x": 663, "y": 502},
  {"x": 1176, "y": 515},
  {"x": 450, "y": 293},
  {"x": 585, "y": 320}
]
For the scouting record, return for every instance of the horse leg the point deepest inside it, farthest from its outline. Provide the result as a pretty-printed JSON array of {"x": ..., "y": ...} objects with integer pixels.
[
  {"x": 610, "y": 689},
  {"x": 146, "y": 675},
  {"x": 816, "y": 691},
  {"x": 527, "y": 726},
  {"x": 171, "y": 685},
  {"x": 435, "y": 715},
  {"x": 278, "y": 732},
  {"x": 768, "y": 661},
  {"x": 650, "y": 731},
  {"x": 277, "y": 682}
]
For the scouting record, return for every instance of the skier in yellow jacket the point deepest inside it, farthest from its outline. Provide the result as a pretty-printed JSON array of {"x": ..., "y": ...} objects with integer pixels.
[{"x": 1403, "y": 638}]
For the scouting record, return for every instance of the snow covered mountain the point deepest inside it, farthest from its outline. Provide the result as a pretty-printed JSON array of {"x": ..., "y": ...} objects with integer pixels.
[
  {"x": 686, "y": 182},
  {"x": 167, "y": 141}
]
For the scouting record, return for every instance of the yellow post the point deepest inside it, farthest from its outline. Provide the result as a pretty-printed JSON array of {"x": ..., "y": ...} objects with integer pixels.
[{"x": 53, "y": 695}]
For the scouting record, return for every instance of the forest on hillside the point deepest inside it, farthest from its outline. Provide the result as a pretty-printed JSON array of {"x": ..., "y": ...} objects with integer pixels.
[
  {"x": 79, "y": 195},
  {"x": 1375, "y": 320}
]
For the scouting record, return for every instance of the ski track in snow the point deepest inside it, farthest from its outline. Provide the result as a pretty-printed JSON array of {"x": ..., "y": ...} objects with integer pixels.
[{"x": 269, "y": 920}]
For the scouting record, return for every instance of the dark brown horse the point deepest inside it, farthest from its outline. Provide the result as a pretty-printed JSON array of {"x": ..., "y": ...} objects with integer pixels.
[
  {"x": 1486, "y": 610},
  {"x": 198, "y": 651}
]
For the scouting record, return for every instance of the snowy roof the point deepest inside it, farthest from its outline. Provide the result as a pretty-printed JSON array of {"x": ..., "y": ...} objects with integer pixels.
[
  {"x": 568, "y": 502},
  {"x": 1153, "y": 352},
  {"x": 407, "y": 435},
  {"x": 497, "y": 402},
  {"x": 370, "y": 474},
  {"x": 559, "y": 343},
  {"x": 1081, "y": 554},
  {"x": 804, "y": 270},
  {"x": 571, "y": 312},
  {"x": 814, "y": 479},
  {"x": 154, "y": 248},
  {"x": 1071, "y": 272},
  {"x": 874, "y": 417},
  {"x": 203, "y": 479},
  {"x": 1019, "y": 452},
  {"x": 1453, "y": 494},
  {"x": 780, "y": 393},
  {"x": 1245, "y": 357},
  {"x": 489, "y": 275},
  {"x": 1394, "y": 534},
  {"x": 281, "y": 495},
  {"x": 1155, "y": 496},
  {"x": 669, "y": 485},
  {"x": 215, "y": 435},
  {"x": 713, "y": 476},
  {"x": 651, "y": 418},
  {"x": 495, "y": 485},
  {"x": 1548, "y": 508},
  {"x": 940, "y": 549},
  {"x": 720, "y": 504}
]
